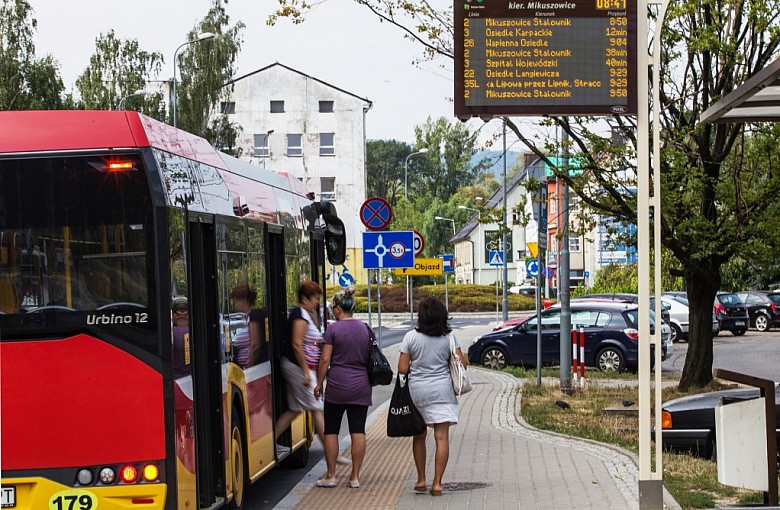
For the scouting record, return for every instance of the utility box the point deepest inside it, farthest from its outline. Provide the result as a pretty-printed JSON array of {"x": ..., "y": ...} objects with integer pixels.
[{"x": 740, "y": 431}]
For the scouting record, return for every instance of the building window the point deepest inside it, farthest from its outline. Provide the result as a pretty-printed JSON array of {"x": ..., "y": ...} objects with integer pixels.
[
  {"x": 328, "y": 188},
  {"x": 277, "y": 106},
  {"x": 227, "y": 107},
  {"x": 294, "y": 144},
  {"x": 574, "y": 243},
  {"x": 326, "y": 106},
  {"x": 552, "y": 207},
  {"x": 574, "y": 200},
  {"x": 260, "y": 150},
  {"x": 327, "y": 147}
]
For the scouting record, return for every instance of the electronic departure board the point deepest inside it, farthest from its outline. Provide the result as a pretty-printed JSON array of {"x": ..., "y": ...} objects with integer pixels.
[{"x": 574, "y": 57}]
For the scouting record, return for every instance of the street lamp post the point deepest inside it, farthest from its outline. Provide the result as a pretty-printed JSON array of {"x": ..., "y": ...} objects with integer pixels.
[
  {"x": 134, "y": 94},
  {"x": 446, "y": 293},
  {"x": 406, "y": 169},
  {"x": 479, "y": 238},
  {"x": 267, "y": 146},
  {"x": 203, "y": 36}
]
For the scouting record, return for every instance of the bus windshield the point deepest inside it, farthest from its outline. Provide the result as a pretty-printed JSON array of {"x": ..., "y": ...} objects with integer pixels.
[{"x": 75, "y": 236}]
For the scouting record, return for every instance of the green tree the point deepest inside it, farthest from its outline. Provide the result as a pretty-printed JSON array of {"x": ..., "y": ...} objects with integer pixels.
[
  {"x": 385, "y": 168},
  {"x": 205, "y": 69},
  {"x": 448, "y": 165},
  {"x": 26, "y": 82},
  {"x": 117, "y": 70}
]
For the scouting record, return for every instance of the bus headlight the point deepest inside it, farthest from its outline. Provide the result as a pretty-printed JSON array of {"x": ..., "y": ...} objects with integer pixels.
[{"x": 84, "y": 477}]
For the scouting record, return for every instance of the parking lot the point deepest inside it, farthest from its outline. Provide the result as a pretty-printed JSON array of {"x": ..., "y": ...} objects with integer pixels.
[{"x": 754, "y": 353}]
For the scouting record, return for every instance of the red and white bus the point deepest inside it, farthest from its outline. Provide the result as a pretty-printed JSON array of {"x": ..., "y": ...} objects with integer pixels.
[{"x": 106, "y": 218}]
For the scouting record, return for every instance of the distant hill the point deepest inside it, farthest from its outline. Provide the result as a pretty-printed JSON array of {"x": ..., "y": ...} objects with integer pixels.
[{"x": 497, "y": 163}]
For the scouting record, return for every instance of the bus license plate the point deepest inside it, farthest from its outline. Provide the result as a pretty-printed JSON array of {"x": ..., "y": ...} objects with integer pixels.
[{"x": 8, "y": 497}]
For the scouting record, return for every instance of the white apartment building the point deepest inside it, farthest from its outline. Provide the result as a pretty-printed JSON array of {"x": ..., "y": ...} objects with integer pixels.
[{"x": 315, "y": 131}]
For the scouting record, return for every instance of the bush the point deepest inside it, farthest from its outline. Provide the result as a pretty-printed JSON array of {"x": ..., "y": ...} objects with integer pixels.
[{"x": 462, "y": 298}]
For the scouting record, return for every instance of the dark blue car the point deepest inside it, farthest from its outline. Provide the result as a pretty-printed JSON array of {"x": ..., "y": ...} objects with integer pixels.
[{"x": 611, "y": 338}]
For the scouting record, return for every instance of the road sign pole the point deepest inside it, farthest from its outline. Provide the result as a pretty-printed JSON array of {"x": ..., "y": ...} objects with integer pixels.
[
  {"x": 539, "y": 323},
  {"x": 446, "y": 293},
  {"x": 379, "y": 308},
  {"x": 410, "y": 295}
]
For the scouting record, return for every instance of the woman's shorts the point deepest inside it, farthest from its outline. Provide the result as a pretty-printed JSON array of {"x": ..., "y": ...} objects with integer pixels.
[{"x": 356, "y": 418}]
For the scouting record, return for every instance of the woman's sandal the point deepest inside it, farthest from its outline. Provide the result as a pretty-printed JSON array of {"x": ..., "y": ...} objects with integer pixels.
[
  {"x": 420, "y": 489},
  {"x": 435, "y": 492}
]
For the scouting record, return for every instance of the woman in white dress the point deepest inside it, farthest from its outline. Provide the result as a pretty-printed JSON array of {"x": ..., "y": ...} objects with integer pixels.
[{"x": 425, "y": 355}]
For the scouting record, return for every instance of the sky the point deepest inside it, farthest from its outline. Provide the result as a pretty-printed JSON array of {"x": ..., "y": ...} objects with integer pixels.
[{"x": 340, "y": 43}]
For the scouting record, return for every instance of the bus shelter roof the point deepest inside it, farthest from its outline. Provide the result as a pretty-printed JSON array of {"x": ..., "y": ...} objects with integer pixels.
[{"x": 756, "y": 100}]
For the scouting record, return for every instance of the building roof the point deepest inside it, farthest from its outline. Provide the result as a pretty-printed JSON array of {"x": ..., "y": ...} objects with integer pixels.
[
  {"x": 495, "y": 200},
  {"x": 275, "y": 64},
  {"x": 756, "y": 100}
]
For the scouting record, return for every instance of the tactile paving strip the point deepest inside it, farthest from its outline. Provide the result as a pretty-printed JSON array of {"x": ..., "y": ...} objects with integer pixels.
[{"x": 383, "y": 476}]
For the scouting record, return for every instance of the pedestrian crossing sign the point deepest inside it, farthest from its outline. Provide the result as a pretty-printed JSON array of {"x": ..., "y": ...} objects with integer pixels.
[{"x": 497, "y": 257}]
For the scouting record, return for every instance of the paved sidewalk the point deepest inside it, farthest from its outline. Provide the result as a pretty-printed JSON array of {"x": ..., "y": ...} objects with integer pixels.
[{"x": 495, "y": 462}]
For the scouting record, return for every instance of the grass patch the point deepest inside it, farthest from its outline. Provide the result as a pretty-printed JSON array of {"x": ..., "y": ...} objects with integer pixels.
[
  {"x": 691, "y": 480},
  {"x": 590, "y": 373}
]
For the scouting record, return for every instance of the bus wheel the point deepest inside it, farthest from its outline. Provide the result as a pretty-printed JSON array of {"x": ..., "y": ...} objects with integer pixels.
[
  {"x": 239, "y": 473},
  {"x": 297, "y": 459}
]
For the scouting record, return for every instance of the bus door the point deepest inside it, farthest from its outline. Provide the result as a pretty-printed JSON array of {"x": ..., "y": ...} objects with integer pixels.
[
  {"x": 277, "y": 316},
  {"x": 206, "y": 367}
]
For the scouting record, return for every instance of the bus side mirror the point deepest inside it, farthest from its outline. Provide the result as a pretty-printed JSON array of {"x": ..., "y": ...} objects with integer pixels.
[{"x": 335, "y": 241}]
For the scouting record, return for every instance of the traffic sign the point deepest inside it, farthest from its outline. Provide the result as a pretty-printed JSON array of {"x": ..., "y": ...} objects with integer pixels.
[
  {"x": 388, "y": 249},
  {"x": 449, "y": 263},
  {"x": 376, "y": 213},
  {"x": 532, "y": 268},
  {"x": 346, "y": 280},
  {"x": 419, "y": 243},
  {"x": 423, "y": 267},
  {"x": 497, "y": 257}
]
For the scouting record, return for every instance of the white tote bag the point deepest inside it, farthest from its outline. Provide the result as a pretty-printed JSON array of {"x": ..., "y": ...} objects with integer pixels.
[{"x": 460, "y": 381}]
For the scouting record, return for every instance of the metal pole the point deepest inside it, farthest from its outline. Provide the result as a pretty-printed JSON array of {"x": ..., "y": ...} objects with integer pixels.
[
  {"x": 539, "y": 322},
  {"x": 497, "y": 320},
  {"x": 505, "y": 302},
  {"x": 410, "y": 296},
  {"x": 563, "y": 274},
  {"x": 379, "y": 307}
]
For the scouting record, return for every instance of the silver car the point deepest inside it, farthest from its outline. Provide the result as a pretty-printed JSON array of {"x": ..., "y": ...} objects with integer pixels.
[{"x": 678, "y": 309}]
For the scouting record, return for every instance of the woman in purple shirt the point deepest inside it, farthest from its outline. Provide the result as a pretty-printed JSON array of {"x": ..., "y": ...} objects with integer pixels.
[{"x": 345, "y": 353}]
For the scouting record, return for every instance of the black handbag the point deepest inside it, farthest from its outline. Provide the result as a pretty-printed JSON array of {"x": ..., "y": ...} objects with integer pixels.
[
  {"x": 379, "y": 370},
  {"x": 403, "y": 417}
]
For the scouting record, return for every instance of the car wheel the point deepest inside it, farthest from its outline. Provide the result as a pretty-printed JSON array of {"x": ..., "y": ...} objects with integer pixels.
[
  {"x": 762, "y": 322},
  {"x": 494, "y": 358},
  {"x": 610, "y": 359},
  {"x": 738, "y": 332},
  {"x": 239, "y": 474},
  {"x": 676, "y": 334}
]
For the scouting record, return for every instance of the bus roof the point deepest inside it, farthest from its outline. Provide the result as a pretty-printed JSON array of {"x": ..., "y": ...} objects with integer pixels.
[{"x": 73, "y": 130}]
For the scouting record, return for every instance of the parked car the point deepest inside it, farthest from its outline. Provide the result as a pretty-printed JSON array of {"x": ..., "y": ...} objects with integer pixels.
[
  {"x": 611, "y": 338},
  {"x": 626, "y": 298},
  {"x": 763, "y": 308},
  {"x": 688, "y": 423},
  {"x": 511, "y": 323},
  {"x": 526, "y": 290},
  {"x": 731, "y": 313},
  {"x": 679, "y": 314}
]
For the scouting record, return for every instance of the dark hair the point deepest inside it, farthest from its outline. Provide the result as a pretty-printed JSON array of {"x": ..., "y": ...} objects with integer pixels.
[
  {"x": 244, "y": 292},
  {"x": 179, "y": 303},
  {"x": 345, "y": 299},
  {"x": 432, "y": 317},
  {"x": 308, "y": 288}
]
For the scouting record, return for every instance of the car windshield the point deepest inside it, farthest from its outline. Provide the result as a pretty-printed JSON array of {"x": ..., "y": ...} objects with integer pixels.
[
  {"x": 774, "y": 298},
  {"x": 730, "y": 299},
  {"x": 680, "y": 299}
]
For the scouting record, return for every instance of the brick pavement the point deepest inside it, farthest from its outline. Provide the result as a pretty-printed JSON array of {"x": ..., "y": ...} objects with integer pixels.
[{"x": 496, "y": 462}]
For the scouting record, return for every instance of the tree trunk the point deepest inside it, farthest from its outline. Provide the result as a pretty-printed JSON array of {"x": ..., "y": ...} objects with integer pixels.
[{"x": 701, "y": 296}]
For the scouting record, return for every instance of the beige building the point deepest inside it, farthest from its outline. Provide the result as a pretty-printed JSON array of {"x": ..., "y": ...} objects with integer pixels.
[{"x": 295, "y": 123}]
